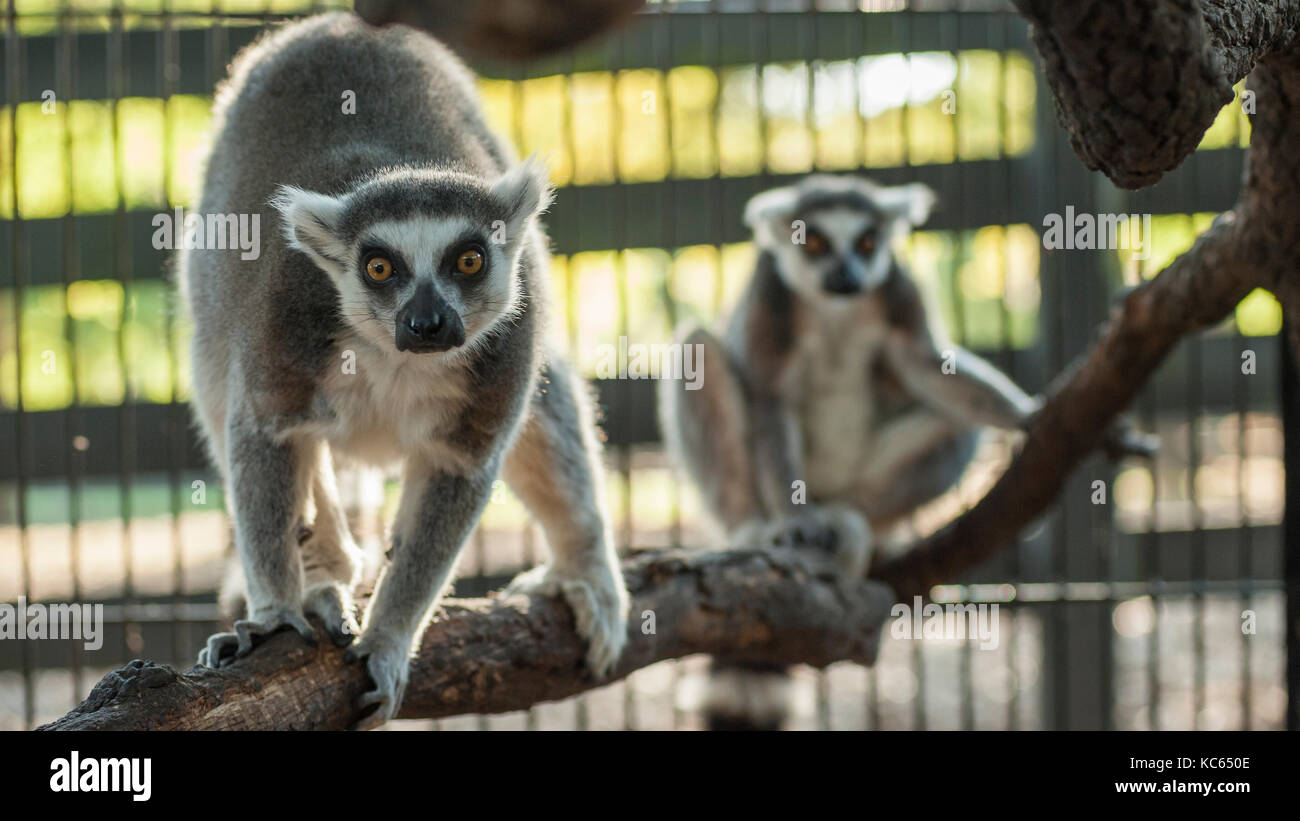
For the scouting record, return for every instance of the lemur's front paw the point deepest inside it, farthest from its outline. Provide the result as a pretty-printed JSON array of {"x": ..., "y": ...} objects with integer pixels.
[
  {"x": 223, "y": 648},
  {"x": 388, "y": 663},
  {"x": 332, "y": 604},
  {"x": 599, "y": 602}
]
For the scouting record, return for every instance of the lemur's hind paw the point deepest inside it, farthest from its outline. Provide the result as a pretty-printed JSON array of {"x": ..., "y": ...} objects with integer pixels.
[
  {"x": 388, "y": 665},
  {"x": 841, "y": 532},
  {"x": 599, "y": 602},
  {"x": 332, "y": 604},
  {"x": 223, "y": 648},
  {"x": 851, "y": 541}
]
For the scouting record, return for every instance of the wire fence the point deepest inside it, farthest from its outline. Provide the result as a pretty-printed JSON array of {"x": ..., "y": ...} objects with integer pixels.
[{"x": 1161, "y": 606}]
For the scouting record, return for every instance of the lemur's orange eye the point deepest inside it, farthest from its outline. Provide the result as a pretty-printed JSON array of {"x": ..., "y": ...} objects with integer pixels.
[
  {"x": 815, "y": 244},
  {"x": 470, "y": 261},
  {"x": 379, "y": 269},
  {"x": 867, "y": 243}
]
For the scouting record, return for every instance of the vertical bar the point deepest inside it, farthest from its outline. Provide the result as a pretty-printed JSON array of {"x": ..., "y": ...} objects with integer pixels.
[
  {"x": 1196, "y": 415},
  {"x": 859, "y": 27},
  {"x": 117, "y": 69},
  {"x": 1245, "y": 552},
  {"x": 618, "y": 222},
  {"x": 905, "y": 20},
  {"x": 664, "y": 49},
  {"x": 961, "y": 237},
  {"x": 999, "y": 44},
  {"x": 74, "y": 460},
  {"x": 717, "y": 192},
  {"x": 1149, "y": 566},
  {"x": 1291, "y": 521},
  {"x": 175, "y": 439},
  {"x": 16, "y": 71},
  {"x": 1060, "y": 183}
]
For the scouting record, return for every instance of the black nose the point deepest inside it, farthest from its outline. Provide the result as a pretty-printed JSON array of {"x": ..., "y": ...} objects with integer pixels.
[
  {"x": 425, "y": 328},
  {"x": 420, "y": 332},
  {"x": 424, "y": 333},
  {"x": 427, "y": 323},
  {"x": 840, "y": 281}
]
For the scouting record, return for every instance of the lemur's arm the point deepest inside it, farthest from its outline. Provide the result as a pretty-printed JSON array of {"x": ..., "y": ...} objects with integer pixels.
[
  {"x": 957, "y": 383},
  {"x": 437, "y": 511},
  {"x": 946, "y": 378},
  {"x": 778, "y": 452},
  {"x": 763, "y": 330}
]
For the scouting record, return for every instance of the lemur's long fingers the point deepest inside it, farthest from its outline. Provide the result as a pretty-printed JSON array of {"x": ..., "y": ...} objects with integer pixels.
[
  {"x": 218, "y": 644},
  {"x": 247, "y": 631}
]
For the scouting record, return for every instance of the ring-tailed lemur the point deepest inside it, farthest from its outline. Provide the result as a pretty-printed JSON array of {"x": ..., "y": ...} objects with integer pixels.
[
  {"x": 832, "y": 381},
  {"x": 396, "y": 318}
]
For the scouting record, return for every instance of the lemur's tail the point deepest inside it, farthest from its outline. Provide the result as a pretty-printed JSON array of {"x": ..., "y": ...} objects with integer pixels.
[{"x": 749, "y": 696}]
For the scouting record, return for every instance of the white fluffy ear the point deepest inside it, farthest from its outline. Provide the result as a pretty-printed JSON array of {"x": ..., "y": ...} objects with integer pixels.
[
  {"x": 769, "y": 205},
  {"x": 525, "y": 191},
  {"x": 311, "y": 223},
  {"x": 912, "y": 202}
]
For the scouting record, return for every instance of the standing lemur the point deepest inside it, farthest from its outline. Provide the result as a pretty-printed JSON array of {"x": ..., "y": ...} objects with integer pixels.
[
  {"x": 396, "y": 318},
  {"x": 833, "y": 406}
]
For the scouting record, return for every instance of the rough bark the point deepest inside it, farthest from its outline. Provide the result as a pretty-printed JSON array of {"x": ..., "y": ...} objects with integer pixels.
[
  {"x": 497, "y": 655},
  {"x": 515, "y": 30},
  {"x": 1137, "y": 83}
]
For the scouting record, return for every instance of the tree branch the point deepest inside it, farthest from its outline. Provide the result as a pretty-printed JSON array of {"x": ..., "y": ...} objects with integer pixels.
[
  {"x": 1093, "y": 52},
  {"x": 517, "y": 30},
  {"x": 1196, "y": 291},
  {"x": 497, "y": 655},
  {"x": 1137, "y": 83}
]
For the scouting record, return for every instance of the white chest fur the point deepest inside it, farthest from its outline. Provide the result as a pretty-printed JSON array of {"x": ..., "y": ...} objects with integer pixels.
[
  {"x": 381, "y": 407},
  {"x": 834, "y": 399}
]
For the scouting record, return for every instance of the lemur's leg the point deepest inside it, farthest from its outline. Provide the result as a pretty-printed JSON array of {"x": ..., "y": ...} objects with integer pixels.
[
  {"x": 706, "y": 430},
  {"x": 436, "y": 514},
  {"x": 331, "y": 560},
  {"x": 554, "y": 467},
  {"x": 744, "y": 456},
  {"x": 913, "y": 459},
  {"x": 269, "y": 479}
]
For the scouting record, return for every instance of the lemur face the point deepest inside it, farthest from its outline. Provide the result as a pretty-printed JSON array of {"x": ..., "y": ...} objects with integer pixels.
[
  {"x": 841, "y": 252},
  {"x": 832, "y": 236},
  {"x": 423, "y": 261}
]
